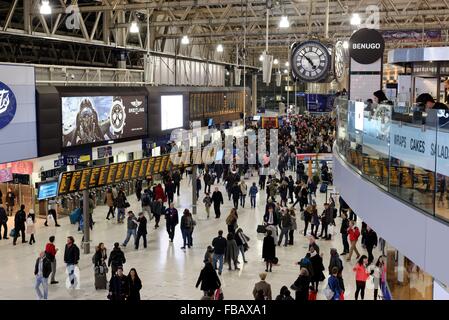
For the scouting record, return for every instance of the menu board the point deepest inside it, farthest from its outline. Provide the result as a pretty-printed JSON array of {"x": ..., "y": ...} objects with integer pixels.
[
  {"x": 64, "y": 182},
  {"x": 150, "y": 167},
  {"x": 120, "y": 172},
  {"x": 112, "y": 173},
  {"x": 85, "y": 179},
  {"x": 103, "y": 178},
  {"x": 136, "y": 169},
  {"x": 128, "y": 170},
  {"x": 157, "y": 165},
  {"x": 75, "y": 182},
  {"x": 94, "y": 175},
  {"x": 143, "y": 168}
]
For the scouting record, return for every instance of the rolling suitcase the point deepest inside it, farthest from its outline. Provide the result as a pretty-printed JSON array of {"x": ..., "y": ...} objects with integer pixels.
[{"x": 101, "y": 281}]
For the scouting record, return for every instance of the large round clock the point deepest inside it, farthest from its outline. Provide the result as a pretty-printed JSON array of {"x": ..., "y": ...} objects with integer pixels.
[
  {"x": 310, "y": 61},
  {"x": 339, "y": 61}
]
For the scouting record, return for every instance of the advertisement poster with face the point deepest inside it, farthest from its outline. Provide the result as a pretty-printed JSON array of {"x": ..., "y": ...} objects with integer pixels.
[{"x": 87, "y": 120}]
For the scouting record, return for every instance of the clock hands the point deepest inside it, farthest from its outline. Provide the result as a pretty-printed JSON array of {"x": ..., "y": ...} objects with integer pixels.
[{"x": 311, "y": 62}]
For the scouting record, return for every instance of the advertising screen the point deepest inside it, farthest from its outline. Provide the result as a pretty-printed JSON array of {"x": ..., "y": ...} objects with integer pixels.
[
  {"x": 47, "y": 190},
  {"x": 88, "y": 120},
  {"x": 172, "y": 112}
]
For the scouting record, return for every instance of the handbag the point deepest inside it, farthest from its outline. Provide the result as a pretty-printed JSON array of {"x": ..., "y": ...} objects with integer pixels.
[
  {"x": 261, "y": 229},
  {"x": 328, "y": 293},
  {"x": 12, "y": 233},
  {"x": 127, "y": 205}
]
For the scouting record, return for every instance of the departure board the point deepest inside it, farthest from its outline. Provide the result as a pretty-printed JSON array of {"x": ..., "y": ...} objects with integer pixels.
[
  {"x": 150, "y": 167},
  {"x": 157, "y": 165},
  {"x": 112, "y": 173},
  {"x": 94, "y": 175},
  {"x": 128, "y": 170},
  {"x": 103, "y": 178},
  {"x": 136, "y": 169},
  {"x": 120, "y": 172},
  {"x": 169, "y": 165},
  {"x": 85, "y": 176},
  {"x": 64, "y": 182},
  {"x": 76, "y": 181},
  {"x": 143, "y": 168},
  {"x": 164, "y": 160}
]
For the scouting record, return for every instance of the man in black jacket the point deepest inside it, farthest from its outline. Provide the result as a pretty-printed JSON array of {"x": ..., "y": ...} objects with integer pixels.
[
  {"x": 370, "y": 243},
  {"x": 42, "y": 270},
  {"x": 71, "y": 258},
  {"x": 141, "y": 230},
  {"x": 217, "y": 200},
  {"x": 116, "y": 258},
  {"x": 219, "y": 243},
  {"x": 235, "y": 191},
  {"x": 19, "y": 224},
  {"x": 3, "y": 221},
  {"x": 176, "y": 181},
  {"x": 344, "y": 233}
]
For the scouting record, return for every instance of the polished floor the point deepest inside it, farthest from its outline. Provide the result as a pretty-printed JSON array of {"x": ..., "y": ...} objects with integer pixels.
[{"x": 167, "y": 272}]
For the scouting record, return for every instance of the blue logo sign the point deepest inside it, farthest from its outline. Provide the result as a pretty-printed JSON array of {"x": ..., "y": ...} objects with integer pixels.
[{"x": 7, "y": 105}]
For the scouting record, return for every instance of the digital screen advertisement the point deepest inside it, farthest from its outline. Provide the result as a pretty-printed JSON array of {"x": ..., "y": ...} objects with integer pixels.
[
  {"x": 47, "y": 190},
  {"x": 87, "y": 120},
  {"x": 172, "y": 110}
]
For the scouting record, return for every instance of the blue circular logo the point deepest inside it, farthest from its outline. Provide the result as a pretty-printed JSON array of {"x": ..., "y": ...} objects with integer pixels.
[{"x": 7, "y": 105}]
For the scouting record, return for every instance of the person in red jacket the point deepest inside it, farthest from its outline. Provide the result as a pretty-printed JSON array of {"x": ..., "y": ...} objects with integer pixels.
[
  {"x": 353, "y": 234},
  {"x": 159, "y": 193},
  {"x": 361, "y": 275}
]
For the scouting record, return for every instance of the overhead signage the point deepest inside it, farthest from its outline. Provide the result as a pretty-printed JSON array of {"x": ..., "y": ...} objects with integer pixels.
[
  {"x": 366, "y": 46},
  {"x": 8, "y": 105}
]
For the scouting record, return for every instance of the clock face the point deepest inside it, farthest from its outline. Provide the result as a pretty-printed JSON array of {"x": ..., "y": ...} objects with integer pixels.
[
  {"x": 310, "y": 61},
  {"x": 339, "y": 64}
]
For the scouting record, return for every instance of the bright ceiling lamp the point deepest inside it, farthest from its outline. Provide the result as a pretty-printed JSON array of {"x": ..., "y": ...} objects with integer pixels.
[
  {"x": 287, "y": 64},
  {"x": 220, "y": 48},
  {"x": 185, "y": 40},
  {"x": 45, "y": 7},
  {"x": 355, "y": 20},
  {"x": 134, "y": 28},
  {"x": 261, "y": 58},
  {"x": 284, "y": 23},
  {"x": 345, "y": 44},
  {"x": 276, "y": 61},
  {"x": 285, "y": 71}
]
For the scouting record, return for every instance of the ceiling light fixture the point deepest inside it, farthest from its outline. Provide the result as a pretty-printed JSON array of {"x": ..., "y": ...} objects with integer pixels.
[
  {"x": 185, "y": 40},
  {"x": 345, "y": 44},
  {"x": 276, "y": 61},
  {"x": 220, "y": 48},
  {"x": 45, "y": 7},
  {"x": 134, "y": 28},
  {"x": 355, "y": 20},
  {"x": 284, "y": 23}
]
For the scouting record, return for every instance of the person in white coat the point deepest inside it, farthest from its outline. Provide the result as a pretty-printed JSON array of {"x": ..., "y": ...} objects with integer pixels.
[{"x": 31, "y": 229}]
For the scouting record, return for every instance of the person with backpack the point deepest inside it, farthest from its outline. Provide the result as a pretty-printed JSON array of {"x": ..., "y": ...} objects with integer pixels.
[
  {"x": 187, "y": 225},
  {"x": 285, "y": 225},
  {"x": 19, "y": 224},
  {"x": 141, "y": 230},
  {"x": 262, "y": 289},
  {"x": 207, "y": 203},
  {"x": 353, "y": 234},
  {"x": 116, "y": 258},
  {"x": 3, "y": 223},
  {"x": 252, "y": 194}
]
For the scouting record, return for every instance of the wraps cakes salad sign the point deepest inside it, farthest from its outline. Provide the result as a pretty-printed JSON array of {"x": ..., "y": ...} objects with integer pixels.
[
  {"x": 8, "y": 105},
  {"x": 366, "y": 46}
]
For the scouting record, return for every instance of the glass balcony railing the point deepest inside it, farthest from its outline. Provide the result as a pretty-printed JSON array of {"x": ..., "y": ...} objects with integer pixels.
[{"x": 400, "y": 149}]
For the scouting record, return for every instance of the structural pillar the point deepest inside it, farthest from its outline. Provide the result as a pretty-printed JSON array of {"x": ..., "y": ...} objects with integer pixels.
[
  {"x": 194, "y": 199},
  {"x": 86, "y": 219},
  {"x": 254, "y": 95}
]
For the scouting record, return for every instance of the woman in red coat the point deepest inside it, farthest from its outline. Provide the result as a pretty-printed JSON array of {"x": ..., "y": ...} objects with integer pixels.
[
  {"x": 158, "y": 192},
  {"x": 361, "y": 275}
]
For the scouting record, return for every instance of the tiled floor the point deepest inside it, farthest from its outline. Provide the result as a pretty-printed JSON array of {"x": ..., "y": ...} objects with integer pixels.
[{"x": 167, "y": 272}]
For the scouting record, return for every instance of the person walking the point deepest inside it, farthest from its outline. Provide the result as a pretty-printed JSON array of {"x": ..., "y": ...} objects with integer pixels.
[
  {"x": 242, "y": 243},
  {"x": 10, "y": 201},
  {"x": 131, "y": 228},
  {"x": 19, "y": 224},
  {"x": 50, "y": 251},
  {"x": 134, "y": 285},
  {"x": 146, "y": 202},
  {"x": 268, "y": 251},
  {"x": 361, "y": 275},
  {"x": 177, "y": 181},
  {"x": 141, "y": 230},
  {"x": 294, "y": 226},
  {"x": 243, "y": 192},
  {"x": 42, "y": 270},
  {"x": 335, "y": 261},
  {"x": 344, "y": 232},
  {"x": 198, "y": 187},
  {"x": 3, "y": 223},
  {"x": 207, "y": 203},
  {"x": 118, "y": 286},
  {"x": 301, "y": 285},
  {"x": 231, "y": 220},
  {"x": 353, "y": 234},
  {"x": 208, "y": 279},
  {"x": 209, "y": 255},
  {"x": 334, "y": 284},
  {"x": 138, "y": 188},
  {"x": 236, "y": 192},
  {"x": 219, "y": 244},
  {"x": 318, "y": 267},
  {"x": 217, "y": 200},
  {"x": 187, "y": 225},
  {"x": 100, "y": 268},
  {"x": 291, "y": 188},
  {"x": 326, "y": 219},
  {"x": 307, "y": 217},
  {"x": 370, "y": 243},
  {"x": 109, "y": 201},
  {"x": 31, "y": 229},
  {"x": 252, "y": 194},
  {"x": 159, "y": 210},
  {"x": 232, "y": 252},
  {"x": 315, "y": 221},
  {"x": 116, "y": 259},
  {"x": 207, "y": 178},
  {"x": 262, "y": 288},
  {"x": 285, "y": 225},
  {"x": 170, "y": 191},
  {"x": 121, "y": 203},
  {"x": 71, "y": 258},
  {"x": 376, "y": 272},
  {"x": 171, "y": 221}
]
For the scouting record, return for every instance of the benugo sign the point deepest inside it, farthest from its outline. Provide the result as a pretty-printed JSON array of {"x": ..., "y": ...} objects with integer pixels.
[{"x": 366, "y": 46}]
